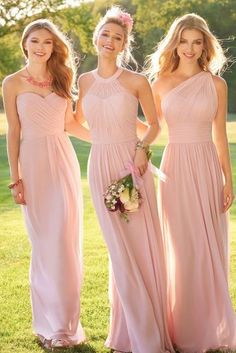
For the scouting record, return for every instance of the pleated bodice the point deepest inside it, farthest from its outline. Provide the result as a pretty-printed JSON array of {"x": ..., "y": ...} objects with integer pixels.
[
  {"x": 108, "y": 107},
  {"x": 190, "y": 117},
  {"x": 41, "y": 116}
]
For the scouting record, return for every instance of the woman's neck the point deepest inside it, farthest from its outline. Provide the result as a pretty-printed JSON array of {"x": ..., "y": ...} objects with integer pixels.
[
  {"x": 106, "y": 67},
  {"x": 38, "y": 71},
  {"x": 188, "y": 70}
]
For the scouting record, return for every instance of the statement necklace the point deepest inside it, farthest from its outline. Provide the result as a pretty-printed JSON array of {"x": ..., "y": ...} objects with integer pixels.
[{"x": 41, "y": 84}]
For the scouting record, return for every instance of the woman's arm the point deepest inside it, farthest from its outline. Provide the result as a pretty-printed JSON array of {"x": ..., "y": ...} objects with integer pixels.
[
  {"x": 157, "y": 88},
  {"x": 73, "y": 123},
  {"x": 13, "y": 137},
  {"x": 147, "y": 103},
  {"x": 142, "y": 128},
  {"x": 152, "y": 128},
  {"x": 221, "y": 141},
  {"x": 74, "y": 120}
]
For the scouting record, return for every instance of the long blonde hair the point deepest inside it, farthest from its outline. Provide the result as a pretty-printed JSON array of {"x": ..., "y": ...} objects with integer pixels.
[
  {"x": 61, "y": 62},
  {"x": 165, "y": 58},
  {"x": 117, "y": 16}
]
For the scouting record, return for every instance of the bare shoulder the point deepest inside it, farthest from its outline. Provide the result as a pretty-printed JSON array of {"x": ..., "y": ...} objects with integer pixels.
[
  {"x": 85, "y": 78},
  {"x": 135, "y": 82},
  {"x": 135, "y": 77},
  {"x": 159, "y": 82},
  {"x": 220, "y": 83},
  {"x": 12, "y": 81},
  {"x": 84, "y": 82},
  {"x": 162, "y": 85}
]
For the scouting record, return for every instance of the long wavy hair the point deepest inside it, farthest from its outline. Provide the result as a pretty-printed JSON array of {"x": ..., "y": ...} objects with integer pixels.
[
  {"x": 117, "y": 16},
  {"x": 165, "y": 58},
  {"x": 61, "y": 62}
]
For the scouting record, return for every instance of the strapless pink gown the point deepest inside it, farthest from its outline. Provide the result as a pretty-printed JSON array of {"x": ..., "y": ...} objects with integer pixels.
[
  {"x": 137, "y": 287},
  {"x": 194, "y": 226},
  {"x": 51, "y": 177}
]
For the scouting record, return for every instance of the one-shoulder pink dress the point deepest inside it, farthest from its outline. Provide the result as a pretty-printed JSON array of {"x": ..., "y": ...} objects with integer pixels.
[
  {"x": 137, "y": 292},
  {"x": 193, "y": 223},
  {"x": 53, "y": 215}
]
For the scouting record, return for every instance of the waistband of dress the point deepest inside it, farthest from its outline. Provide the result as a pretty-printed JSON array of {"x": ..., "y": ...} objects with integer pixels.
[
  {"x": 191, "y": 134},
  {"x": 114, "y": 142},
  {"x": 190, "y": 141},
  {"x": 32, "y": 136}
]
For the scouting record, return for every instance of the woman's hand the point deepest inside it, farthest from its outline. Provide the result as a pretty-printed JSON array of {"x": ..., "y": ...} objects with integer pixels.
[
  {"x": 228, "y": 195},
  {"x": 18, "y": 194},
  {"x": 140, "y": 161}
]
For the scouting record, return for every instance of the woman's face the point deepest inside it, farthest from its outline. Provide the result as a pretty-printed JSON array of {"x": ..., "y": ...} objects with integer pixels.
[
  {"x": 39, "y": 46},
  {"x": 110, "y": 40},
  {"x": 191, "y": 45}
]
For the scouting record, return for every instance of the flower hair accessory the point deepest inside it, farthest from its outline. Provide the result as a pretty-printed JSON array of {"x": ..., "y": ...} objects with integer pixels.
[{"x": 126, "y": 20}]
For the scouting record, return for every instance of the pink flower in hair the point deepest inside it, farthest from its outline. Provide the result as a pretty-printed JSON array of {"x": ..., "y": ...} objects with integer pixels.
[{"x": 126, "y": 20}]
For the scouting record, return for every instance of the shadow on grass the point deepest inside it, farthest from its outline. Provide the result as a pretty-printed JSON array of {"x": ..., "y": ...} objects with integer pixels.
[{"x": 81, "y": 348}]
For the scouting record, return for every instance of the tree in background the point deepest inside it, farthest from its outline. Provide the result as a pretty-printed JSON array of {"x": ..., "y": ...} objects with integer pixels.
[
  {"x": 152, "y": 19},
  {"x": 15, "y": 14}
]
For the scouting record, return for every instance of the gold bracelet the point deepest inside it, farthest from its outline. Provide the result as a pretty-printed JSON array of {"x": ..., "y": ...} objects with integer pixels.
[
  {"x": 145, "y": 148},
  {"x": 141, "y": 144}
]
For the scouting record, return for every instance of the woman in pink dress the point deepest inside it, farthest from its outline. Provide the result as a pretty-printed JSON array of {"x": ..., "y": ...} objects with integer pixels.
[
  {"x": 45, "y": 178},
  {"x": 109, "y": 98},
  {"x": 195, "y": 197}
]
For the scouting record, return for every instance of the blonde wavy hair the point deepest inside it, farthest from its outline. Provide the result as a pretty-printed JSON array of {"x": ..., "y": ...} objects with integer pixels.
[
  {"x": 117, "y": 16},
  {"x": 165, "y": 58},
  {"x": 61, "y": 62}
]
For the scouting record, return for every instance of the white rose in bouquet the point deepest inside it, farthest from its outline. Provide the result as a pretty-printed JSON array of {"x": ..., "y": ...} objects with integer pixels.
[
  {"x": 124, "y": 196},
  {"x": 131, "y": 206}
]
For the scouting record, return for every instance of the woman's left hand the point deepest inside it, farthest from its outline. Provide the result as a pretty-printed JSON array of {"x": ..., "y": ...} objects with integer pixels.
[
  {"x": 140, "y": 161},
  {"x": 228, "y": 195}
]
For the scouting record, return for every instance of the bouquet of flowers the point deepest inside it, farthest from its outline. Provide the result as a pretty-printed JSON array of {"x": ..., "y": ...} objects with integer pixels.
[{"x": 123, "y": 196}]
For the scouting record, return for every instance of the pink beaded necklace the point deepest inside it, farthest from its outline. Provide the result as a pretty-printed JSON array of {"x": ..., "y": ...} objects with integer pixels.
[{"x": 41, "y": 84}]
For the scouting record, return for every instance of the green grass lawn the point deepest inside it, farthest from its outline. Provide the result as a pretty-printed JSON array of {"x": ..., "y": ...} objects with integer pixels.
[{"x": 15, "y": 320}]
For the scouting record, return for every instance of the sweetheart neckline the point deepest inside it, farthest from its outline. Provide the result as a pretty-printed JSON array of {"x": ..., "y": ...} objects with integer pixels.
[{"x": 36, "y": 94}]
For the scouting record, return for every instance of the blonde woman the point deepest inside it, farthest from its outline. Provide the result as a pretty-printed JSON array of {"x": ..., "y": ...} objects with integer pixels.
[
  {"x": 45, "y": 178},
  {"x": 195, "y": 198},
  {"x": 109, "y": 97}
]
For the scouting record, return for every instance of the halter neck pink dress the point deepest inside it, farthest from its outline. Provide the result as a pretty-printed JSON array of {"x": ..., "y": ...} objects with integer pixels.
[
  {"x": 51, "y": 178},
  {"x": 194, "y": 226},
  {"x": 137, "y": 288}
]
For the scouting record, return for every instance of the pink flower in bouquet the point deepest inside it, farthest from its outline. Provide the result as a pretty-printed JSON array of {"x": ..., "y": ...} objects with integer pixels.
[{"x": 122, "y": 196}]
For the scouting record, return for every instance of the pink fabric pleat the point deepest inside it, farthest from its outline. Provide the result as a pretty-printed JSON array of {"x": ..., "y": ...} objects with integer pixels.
[
  {"x": 138, "y": 320},
  {"x": 195, "y": 229},
  {"x": 53, "y": 216}
]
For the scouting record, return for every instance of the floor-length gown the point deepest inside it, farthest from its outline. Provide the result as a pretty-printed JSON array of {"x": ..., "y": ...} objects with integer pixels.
[
  {"x": 53, "y": 215},
  {"x": 138, "y": 316},
  {"x": 190, "y": 203}
]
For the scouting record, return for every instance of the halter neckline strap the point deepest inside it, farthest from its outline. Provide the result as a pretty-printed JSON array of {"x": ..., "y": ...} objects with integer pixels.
[{"x": 108, "y": 79}]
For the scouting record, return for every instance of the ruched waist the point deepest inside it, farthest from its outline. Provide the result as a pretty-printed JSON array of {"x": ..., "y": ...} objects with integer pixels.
[
  {"x": 109, "y": 141},
  {"x": 186, "y": 134},
  {"x": 38, "y": 135}
]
